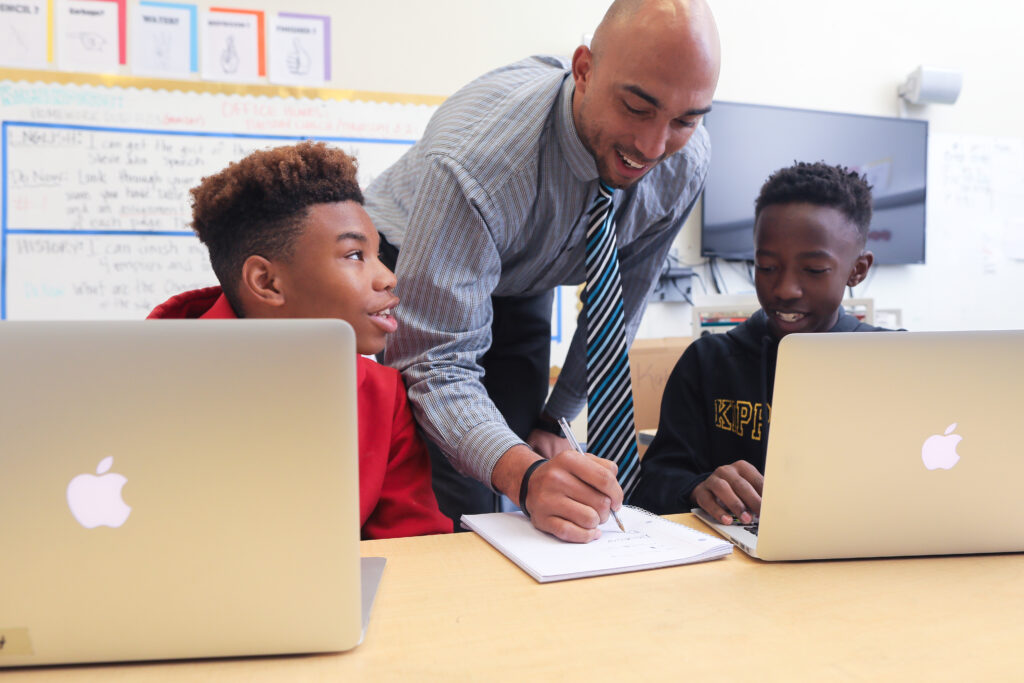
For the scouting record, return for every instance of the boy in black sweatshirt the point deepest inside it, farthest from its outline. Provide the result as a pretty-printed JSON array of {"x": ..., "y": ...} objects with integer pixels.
[{"x": 810, "y": 230}]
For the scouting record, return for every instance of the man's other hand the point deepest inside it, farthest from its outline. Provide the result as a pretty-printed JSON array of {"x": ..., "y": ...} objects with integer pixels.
[{"x": 547, "y": 444}]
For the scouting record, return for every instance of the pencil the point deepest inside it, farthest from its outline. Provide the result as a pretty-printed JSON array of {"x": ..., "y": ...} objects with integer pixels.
[{"x": 564, "y": 424}]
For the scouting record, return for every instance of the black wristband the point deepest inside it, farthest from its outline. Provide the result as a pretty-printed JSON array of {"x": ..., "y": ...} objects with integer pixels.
[
  {"x": 524, "y": 488},
  {"x": 548, "y": 424}
]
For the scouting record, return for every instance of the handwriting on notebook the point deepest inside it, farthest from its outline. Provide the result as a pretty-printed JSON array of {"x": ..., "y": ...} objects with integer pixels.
[{"x": 648, "y": 542}]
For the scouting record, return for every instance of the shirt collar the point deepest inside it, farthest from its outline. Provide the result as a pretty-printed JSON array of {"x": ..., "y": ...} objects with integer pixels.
[
  {"x": 577, "y": 156},
  {"x": 220, "y": 309},
  {"x": 362, "y": 363}
]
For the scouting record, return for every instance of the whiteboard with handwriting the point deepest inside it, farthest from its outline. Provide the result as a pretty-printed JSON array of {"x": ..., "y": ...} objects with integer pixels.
[{"x": 95, "y": 203}]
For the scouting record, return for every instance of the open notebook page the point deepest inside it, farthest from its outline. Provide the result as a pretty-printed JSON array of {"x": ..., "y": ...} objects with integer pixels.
[{"x": 648, "y": 542}]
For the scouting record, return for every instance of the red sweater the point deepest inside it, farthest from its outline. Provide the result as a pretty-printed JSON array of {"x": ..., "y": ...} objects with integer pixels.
[{"x": 395, "y": 497}]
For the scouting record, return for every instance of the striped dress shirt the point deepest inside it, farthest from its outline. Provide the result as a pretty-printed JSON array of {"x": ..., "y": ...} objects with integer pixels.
[{"x": 492, "y": 200}]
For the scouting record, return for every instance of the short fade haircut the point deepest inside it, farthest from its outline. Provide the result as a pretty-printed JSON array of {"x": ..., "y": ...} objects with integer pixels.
[
  {"x": 257, "y": 205},
  {"x": 823, "y": 185}
]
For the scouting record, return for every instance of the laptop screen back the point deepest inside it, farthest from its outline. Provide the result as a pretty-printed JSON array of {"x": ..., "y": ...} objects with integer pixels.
[
  {"x": 177, "y": 489},
  {"x": 888, "y": 444}
]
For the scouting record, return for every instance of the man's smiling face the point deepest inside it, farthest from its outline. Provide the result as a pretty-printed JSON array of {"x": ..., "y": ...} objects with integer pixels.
[{"x": 641, "y": 92}]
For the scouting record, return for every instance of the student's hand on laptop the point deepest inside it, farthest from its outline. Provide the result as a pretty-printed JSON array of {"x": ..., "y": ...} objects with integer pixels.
[
  {"x": 571, "y": 494},
  {"x": 731, "y": 490}
]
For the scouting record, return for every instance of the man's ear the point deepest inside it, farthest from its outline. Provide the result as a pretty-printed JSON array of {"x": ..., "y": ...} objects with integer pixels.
[
  {"x": 582, "y": 63},
  {"x": 860, "y": 268},
  {"x": 261, "y": 282}
]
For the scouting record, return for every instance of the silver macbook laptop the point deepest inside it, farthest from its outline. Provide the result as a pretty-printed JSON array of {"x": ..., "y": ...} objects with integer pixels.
[
  {"x": 891, "y": 444},
  {"x": 177, "y": 489}
]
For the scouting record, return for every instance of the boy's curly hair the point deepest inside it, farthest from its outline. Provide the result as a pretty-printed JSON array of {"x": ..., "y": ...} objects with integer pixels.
[
  {"x": 823, "y": 185},
  {"x": 257, "y": 205}
]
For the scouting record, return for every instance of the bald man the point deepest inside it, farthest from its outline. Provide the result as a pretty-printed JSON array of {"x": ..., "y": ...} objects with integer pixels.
[{"x": 486, "y": 215}]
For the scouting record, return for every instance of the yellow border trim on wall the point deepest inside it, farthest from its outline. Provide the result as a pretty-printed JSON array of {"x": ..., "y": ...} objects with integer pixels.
[
  {"x": 120, "y": 81},
  {"x": 49, "y": 31}
]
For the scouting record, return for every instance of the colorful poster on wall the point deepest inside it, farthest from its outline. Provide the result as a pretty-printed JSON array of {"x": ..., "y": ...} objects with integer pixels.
[
  {"x": 232, "y": 45},
  {"x": 164, "y": 41},
  {"x": 24, "y": 29},
  {"x": 88, "y": 35},
  {"x": 300, "y": 49}
]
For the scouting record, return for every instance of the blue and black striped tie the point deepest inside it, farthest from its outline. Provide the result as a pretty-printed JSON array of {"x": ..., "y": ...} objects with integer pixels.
[{"x": 610, "y": 430}]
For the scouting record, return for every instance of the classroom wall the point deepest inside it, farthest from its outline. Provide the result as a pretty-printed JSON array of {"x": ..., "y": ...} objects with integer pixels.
[
  {"x": 846, "y": 57},
  {"x": 851, "y": 57}
]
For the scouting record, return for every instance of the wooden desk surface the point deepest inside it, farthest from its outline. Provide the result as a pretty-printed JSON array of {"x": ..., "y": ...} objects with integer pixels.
[{"x": 453, "y": 608}]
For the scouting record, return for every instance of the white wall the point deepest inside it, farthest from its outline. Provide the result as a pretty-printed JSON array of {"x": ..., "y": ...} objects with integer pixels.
[
  {"x": 436, "y": 47},
  {"x": 815, "y": 54},
  {"x": 851, "y": 57}
]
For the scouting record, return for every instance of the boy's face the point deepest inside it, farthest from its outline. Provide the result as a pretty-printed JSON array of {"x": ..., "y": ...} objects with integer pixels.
[
  {"x": 335, "y": 272},
  {"x": 805, "y": 256}
]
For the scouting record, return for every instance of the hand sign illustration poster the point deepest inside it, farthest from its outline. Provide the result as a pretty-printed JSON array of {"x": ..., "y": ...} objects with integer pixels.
[
  {"x": 233, "y": 45},
  {"x": 23, "y": 34},
  {"x": 88, "y": 36},
  {"x": 300, "y": 49},
  {"x": 163, "y": 40}
]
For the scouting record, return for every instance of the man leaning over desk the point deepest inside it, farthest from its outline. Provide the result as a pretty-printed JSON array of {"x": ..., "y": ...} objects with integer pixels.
[{"x": 489, "y": 211}]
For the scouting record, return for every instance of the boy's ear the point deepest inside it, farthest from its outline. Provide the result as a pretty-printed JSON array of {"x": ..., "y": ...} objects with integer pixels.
[
  {"x": 261, "y": 281},
  {"x": 860, "y": 268}
]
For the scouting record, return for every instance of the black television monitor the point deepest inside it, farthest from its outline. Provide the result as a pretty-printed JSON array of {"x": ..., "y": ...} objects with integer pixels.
[{"x": 749, "y": 142}]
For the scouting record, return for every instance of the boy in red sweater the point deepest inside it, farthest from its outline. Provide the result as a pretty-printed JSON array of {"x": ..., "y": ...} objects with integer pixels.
[{"x": 288, "y": 238}]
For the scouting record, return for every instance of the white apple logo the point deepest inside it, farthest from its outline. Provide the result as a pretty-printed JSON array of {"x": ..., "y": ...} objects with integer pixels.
[
  {"x": 939, "y": 450},
  {"x": 96, "y": 500}
]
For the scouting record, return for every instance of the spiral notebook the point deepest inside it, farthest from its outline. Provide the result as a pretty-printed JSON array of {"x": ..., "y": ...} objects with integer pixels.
[{"x": 649, "y": 542}]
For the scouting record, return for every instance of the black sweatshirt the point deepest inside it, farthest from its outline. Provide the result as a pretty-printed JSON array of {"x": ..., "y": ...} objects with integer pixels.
[{"x": 715, "y": 411}]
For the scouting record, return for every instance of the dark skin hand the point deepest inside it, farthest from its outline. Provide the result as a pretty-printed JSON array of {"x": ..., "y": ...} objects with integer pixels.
[
  {"x": 568, "y": 496},
  {"x": 573, "y": 493},
  {"x": 731, "y": 490}
]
